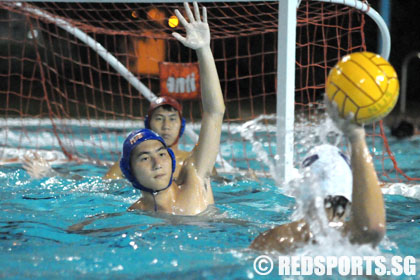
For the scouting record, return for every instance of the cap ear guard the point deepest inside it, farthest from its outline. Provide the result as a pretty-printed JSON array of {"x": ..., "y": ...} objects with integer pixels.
[
  {"x": 147, "y": 122},
  {"x": 309, "y": 160},
  {"x": 346, "y": 158},
  {"x": 182, "y": 129}
]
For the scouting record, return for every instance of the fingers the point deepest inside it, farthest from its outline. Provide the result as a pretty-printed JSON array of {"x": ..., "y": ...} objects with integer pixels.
[
  {"x": 332, "y": 107},
  {"x": 26, "y": 158},
  {"x": 37, "y": 156},
  {"x": 44, "y": 162},
  {"x": 204, "y": 14},
  {"x": 188, "y": 11},
  {"x": 181, "y": 18},
  {"x": 197, "y": 12},
  {"x": 30, "y": 169},
  {"x": 179, "y": 37},
  {"x": 35, "y": 165},
  {"x": 197, "y": 31},
  {"x": 334, "y": 111},
  {"x": 27, "y": 163},
  {"x": 27, "y": 166},
  {"x": 192, "y": 18}
]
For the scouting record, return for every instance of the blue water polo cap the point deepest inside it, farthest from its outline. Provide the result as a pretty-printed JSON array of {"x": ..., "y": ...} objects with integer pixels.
[{"x": 134, "y": 139}]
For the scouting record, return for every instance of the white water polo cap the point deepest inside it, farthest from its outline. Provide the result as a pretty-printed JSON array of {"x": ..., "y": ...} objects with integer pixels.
[{"x": 331, "y": 169}]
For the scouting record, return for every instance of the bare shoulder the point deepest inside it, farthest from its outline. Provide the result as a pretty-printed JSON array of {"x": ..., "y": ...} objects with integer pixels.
[
  {"x": 114, "y": 172},
  {"x": 138, "y": 205},
  {"x": 283, "y": 238}
]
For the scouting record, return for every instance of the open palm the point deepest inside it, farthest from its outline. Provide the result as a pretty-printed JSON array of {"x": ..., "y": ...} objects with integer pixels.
[{"x": 198, "y": 31}]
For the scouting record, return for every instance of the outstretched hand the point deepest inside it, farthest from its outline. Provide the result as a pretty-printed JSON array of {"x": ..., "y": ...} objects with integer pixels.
[
  {"x": 346, "y": 124},
  {"x": 198, "y": 31},
  {"x": 37, "y": 166}
]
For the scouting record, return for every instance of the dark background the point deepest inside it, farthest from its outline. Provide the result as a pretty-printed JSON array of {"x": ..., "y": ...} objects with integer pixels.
[{"x": 405, "y": 38}]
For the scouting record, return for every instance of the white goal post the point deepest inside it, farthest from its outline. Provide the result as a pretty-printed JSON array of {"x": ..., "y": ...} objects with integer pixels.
[{"x": 286, "y": 75}]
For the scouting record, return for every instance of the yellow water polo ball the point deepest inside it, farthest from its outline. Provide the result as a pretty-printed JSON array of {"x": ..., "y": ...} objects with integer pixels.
[{"x": 365, "y": 84}]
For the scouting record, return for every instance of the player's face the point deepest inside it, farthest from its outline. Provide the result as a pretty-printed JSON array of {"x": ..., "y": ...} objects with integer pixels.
[
  {"x": 166, "y": 124},
  {"x": 151, "y": 165}
]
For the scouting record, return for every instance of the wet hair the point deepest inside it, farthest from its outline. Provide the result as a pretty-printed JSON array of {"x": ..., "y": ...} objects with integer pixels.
[
  {"x": 403, "y": 129},
  {"x": 338, "y": 203}
]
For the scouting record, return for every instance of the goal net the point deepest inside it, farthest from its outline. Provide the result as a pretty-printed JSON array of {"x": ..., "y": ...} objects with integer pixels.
[{"x": 60, "y": 94}]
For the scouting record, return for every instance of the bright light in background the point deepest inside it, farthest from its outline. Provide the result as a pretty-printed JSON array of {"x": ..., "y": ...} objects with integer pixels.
[
  {"x": 134, "y": 14},
  {"x": 173, "y": 21}
]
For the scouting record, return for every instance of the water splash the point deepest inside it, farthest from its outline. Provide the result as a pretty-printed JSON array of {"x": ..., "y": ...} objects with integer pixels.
[
  {"x": 248, "y": 131},
  {"x": 404, "y": 189},
  {"x": 307, "y": 134}
]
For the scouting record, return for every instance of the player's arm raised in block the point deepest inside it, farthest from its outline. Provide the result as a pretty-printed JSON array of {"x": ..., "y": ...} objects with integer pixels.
[{"x": 198, "y": 38}]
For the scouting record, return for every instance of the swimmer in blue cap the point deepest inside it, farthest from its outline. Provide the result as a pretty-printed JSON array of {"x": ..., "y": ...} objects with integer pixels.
[
  {"x": 149, "y": 164},
  {"x": 164, "y": 116},
  {"x": 353, "y": 201},
  {"x": 147, "y": 158}
]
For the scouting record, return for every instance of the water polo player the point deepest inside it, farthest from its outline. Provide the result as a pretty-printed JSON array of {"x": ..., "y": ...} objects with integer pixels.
[
  {"x": 352, "y": 198},
  {"x": 164, "y": 116},
  {"x": 147, "y": 161}
]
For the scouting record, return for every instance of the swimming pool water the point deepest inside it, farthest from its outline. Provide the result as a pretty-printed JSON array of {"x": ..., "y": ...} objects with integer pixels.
[{"x": 36, "y": 242}]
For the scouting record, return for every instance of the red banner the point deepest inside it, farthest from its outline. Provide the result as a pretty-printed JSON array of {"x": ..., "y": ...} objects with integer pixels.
[{"x": 179, "y": 80}]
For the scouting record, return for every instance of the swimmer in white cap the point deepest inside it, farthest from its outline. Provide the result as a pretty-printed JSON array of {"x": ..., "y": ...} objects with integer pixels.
[{"x": 353, "y": 199}]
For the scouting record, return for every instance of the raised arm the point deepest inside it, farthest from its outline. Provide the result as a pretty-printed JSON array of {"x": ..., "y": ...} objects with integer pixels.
[
  {"x": 367, "y": 223},
  {"x": 198, "y": 38}
]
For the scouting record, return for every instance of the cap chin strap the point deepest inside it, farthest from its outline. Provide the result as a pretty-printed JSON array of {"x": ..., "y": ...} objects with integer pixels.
[{"x": 153, "y": 192}]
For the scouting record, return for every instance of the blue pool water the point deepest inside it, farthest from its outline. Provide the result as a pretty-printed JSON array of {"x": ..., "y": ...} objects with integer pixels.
[{"x": 37, "y": 243}]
